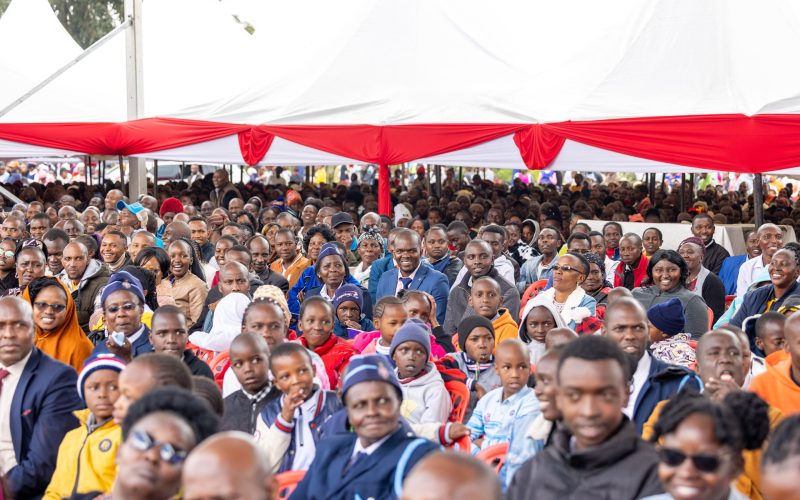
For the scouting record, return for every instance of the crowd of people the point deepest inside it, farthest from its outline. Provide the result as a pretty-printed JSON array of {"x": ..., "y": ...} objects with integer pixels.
[{"x": 216, "y": 340}]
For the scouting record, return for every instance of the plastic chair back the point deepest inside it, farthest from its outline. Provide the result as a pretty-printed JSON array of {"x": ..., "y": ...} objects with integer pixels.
[
  {"x": 494, "y": 456},
  {"x": 219, "y": 365},
  {"x": 288, "y": 481},
  {"x": 459, "y": 395},
  {"x": 531, "y": 292}
]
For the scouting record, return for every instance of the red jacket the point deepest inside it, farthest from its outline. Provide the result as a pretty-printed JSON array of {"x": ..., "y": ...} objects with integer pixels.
[
  {"x": 639, "y": 273},
  {"x": 335, "y": 353}
]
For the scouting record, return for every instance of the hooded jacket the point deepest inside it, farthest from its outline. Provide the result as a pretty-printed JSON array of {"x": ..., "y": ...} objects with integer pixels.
[
  {"x": 776, "y": 387},
  {"x": 86, "y": 459},
  {"x": 535, "y": 347},
  {"x": 623, "y": 467},
  {"x": 504, "y": 327},
  {"x": 91, "y": 284},
  {"x": 425, "y": 398},
  {"x": 458, "y": 300},
  {"x": 577, "y": 307}
]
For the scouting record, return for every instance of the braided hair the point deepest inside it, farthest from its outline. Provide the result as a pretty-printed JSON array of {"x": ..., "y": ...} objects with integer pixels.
[{"x": 741, "y": 420}]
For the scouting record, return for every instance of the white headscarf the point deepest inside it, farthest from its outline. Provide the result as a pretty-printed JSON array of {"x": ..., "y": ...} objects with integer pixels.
[{"x": 226, "y": 324}]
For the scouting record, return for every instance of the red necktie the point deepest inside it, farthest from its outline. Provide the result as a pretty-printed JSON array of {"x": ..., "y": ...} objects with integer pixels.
[{"x": 3, "y": 374}]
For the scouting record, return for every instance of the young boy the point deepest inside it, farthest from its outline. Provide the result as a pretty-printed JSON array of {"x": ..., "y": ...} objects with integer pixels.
[
  {"x": 425, "y": 398},
  {"x": 348, "y": 302},
  {"x": 484, "y": 299},
  {"x": 169, "y": 334},
  {"x": 492, "y": 421},
  {"x": 290, "y": 426},
  {"x": 476, "y": 340},
  {"x": 250, "y": 363},
  {"x": 769, "y": 332},
  {"x": 389, "y": 315},
  {"x": 87, "y": 455},
  {"x": 668, "y": 341}
]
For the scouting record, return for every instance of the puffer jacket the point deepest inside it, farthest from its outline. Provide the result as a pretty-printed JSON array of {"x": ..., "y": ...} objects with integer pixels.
[
  {"x": 91, "y": 285},
  {"x": 86, "y": 459},
  {"x": 425, "y": 398}
]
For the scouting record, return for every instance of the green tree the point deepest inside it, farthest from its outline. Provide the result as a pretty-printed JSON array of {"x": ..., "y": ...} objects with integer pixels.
[{"x": 86, "y": 20}]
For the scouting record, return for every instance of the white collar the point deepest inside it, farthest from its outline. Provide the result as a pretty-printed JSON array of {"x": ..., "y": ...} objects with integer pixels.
[
  {"x": 414, "y": 273},
  {"x": 133, "y": 338},
  {"x": 369, "y": 450}
]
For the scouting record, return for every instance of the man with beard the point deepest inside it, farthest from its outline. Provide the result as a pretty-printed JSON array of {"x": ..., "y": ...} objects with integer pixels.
[
  {"x": 85, "y": 279},
  {"x": 653, "y": 380}
]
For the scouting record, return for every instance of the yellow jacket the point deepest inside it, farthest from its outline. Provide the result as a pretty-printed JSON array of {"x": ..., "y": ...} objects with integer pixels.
[{"x": 86, "y": 462}]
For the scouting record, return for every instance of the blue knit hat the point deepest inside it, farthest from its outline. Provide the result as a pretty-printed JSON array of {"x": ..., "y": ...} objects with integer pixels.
[
  {"x": 100, "y": 361},
  {"x": 328, "y": 249},
  {"x": 348, "y": 292},
  {"x": 668, "y": 316},
  {"x": 369, "y": 368},
  {"x": 122, "y": 280},
  {"x": 412, "y": 330}
]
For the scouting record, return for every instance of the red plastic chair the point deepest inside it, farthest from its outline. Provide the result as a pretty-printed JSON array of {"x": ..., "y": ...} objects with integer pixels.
[
  {"x": 462, "y": 444},
  {"x": 459, "y": 395},
  {"x": 531, "y": 292},
  {"x": 288, "y": 481},
  {"x": 710, "y": 318},
  {"x": 205, "y": 355},
  {"x": 219, "y": 365},
  {"x": 494, "y": 456},
  {"x": 729, "y": 300}
]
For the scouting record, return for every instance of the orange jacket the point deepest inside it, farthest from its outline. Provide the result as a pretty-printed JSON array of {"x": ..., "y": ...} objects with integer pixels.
[
  {"x": 504, "y": 327},
  {"x": 776, "y": 387}
]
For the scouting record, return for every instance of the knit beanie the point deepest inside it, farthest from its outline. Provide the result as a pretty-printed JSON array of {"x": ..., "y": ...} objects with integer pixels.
[
  {"x": 95, "y": 362},
  {"x": 172, "y": 205},
  {"x": 122, "y": 280},
  {"x": 470, "y": 323},
  {"x": 668, "y": 316},
  {"x": 412, "y": 330},
  {"x": 328, "y": 249},
  {"x": 369, "y": 368},
  {"x": 348, "y": 292}
]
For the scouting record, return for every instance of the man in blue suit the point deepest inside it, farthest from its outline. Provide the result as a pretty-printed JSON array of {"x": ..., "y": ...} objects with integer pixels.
[
  {"x": 37, "y": 400},
  {"x": 412, "y": 274}
]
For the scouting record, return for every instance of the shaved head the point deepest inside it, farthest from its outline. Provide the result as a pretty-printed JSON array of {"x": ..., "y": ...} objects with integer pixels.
[{"x": 451, "y": 476}]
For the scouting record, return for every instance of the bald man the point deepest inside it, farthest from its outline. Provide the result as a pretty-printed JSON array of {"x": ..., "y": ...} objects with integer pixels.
[
  {"x": 228, "y": 465},
  {"x": 85, "y": 277},
  {"x": 451, "y": 476},
  {"x": 175, "y": 230}
]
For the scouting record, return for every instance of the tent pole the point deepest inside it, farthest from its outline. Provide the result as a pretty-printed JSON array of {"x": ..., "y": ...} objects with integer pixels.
[
  {"x": 384, "y": 192},
  {"x": 683, "y": 193},
  {"x": 155, "y": 181},
  {"x": 460, "y": 176},
  {"x": 88, "y": 170},
  {"x": 438, "y": 180},
  {"x": 137, "y": 174},
  {"x": 758, "y": 200},
  {"x": 652, "y": 189},
  {"x": 122, "y": 176}
]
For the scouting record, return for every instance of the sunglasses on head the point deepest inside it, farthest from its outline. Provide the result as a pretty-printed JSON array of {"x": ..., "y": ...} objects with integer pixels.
[
  {"x": 566, "y": 268},
  {"x": 142, "y": 441},
  {"x": 701, "y": 462}
]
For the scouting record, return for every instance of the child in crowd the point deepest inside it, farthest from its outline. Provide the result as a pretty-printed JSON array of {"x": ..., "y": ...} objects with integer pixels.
[
  {"x": 779, "y": 477},
  {"x": 484, "y": 299},
  {"x": 425, "y": 398},
  {"x": 778, "y": 385},
  {"x": 475, "y": 360},
  {"x": 316, "y": 323},
  {"x": 348, "y": 300},
  {"x": 250, "y": 363},
  {"x": 420, "y": 305},
  {"x": 529, "y": 435},
  {"x": 87, "y": 455},
  {"x": 169, "y": 335},
  {"x": 290, "y": 426},
  {"x": 769, "y": 332},
  {"x": 389, "y": 316},
  {"x": 493, "y": 420},
  {"x": 668, "y": 343},
  {"x": 538, "y": 318}
]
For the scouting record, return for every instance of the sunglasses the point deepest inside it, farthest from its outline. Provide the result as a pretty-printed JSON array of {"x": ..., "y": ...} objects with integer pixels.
[
  {"x": 566, "y": 268},
  {"x": 124, "y": 307},
  {"x": 56, "y": 308},
  {"x": 8, "y": 254},
  {"x": 142, "y": 441},
  {"x": 701, "y": 462}
]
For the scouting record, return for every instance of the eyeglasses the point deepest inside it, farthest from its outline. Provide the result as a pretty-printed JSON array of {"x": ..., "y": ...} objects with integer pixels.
[
  {"x": 56, "y": 308},
  {"x": 8, "y": 254},
  {"x": 125, "y": 307},
  {"x": 143, "y": 442},
  {"x": 566, "y": 268},
  {"x": 701, "y": 462}
]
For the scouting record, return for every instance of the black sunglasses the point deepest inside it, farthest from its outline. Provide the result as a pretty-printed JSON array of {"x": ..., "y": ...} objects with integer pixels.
[
  {"x": 566, "y": 268},
  {"x": 701, "y": 462}
]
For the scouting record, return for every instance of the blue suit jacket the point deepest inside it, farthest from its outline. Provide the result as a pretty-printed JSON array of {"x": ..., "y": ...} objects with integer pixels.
[
  {"x": 427, "y": 279},
  {"x": 379, "y": 267},
  {"x": 663, "y": 381},
  {"x": 41, "y": 414},
  {"x": 141, "y": 346},
  {"x": 380, "y": 476}
]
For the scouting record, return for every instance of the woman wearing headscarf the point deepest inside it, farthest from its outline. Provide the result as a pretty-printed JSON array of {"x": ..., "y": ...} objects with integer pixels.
[
  {"x": 702, "y": 281},
  {"x": 226, "y": 324},
  {"x": 332, "y": 272},
  {"x": 58, "y": 333},
  {"x": 370, "y": 249}
]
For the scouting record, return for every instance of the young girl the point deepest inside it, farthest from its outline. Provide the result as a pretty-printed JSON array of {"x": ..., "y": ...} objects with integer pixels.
[
  {"x": 348, "y": 302},
  {"x": 316, "y": 323},
  {"x": 538, "y": 318},
  {"x": 290, "y": 426},
  {"x": 389, "y": 316},
  {"x": 86, "y": 457}
]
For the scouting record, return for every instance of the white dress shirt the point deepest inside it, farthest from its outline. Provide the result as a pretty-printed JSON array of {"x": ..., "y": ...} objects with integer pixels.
[
  {"x": 399, "y": 285},
  {"x": 8, "y": 459},
  {"x": 639, "y": 378},
  {"x": 369, "y": 450},
  {"x": 747, "y": 274}
]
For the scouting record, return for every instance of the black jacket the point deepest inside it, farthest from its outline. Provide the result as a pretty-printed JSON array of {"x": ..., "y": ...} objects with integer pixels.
[
  {"x": 196, "y": 365},
  {"x": 241, "y": 414},
  {"x": 715, "y": 254},
  {"x": 622, "y": 468}
]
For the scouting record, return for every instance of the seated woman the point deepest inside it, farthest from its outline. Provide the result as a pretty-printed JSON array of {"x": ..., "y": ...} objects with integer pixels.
[
  {"x": 569, "y": 299},
  {"x": 370, "y": 249},
  {"x": 702, "y": 281},
  {"x": 374, "y": 459},
  {"x": 316, "y": 323},
  {"x": 31, "y": 263},
  {"x": 666, "y": 279},
  {"x": 58, "y": 333},
  {"x": 188, "y": 282},
  {"x": 595, "y": 285},
  {"x": 784, "y": 269},
  {"x": 332, "y": 271}
]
